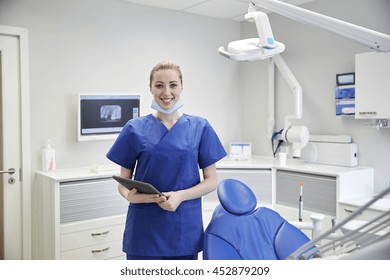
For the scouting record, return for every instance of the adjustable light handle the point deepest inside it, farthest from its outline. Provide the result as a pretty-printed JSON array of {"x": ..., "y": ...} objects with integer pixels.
[
  {"x": 263, "y": 28},
  {"x": 239, "y": 57},
  {"x": 224, "y": 53}
]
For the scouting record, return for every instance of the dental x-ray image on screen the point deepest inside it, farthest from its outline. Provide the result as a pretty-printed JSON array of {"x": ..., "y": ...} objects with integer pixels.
[
  {"x": 101, "y": 116},
  {"x": 110, "y": 113}
]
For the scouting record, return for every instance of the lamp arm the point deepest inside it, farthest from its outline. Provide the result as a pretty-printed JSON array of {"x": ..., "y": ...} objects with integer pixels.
[
  {"x": 373, "y": 39},
  {"x": 263, "y": 27}
]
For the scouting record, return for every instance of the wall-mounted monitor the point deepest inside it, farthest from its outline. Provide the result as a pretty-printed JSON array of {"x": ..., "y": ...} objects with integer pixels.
[{"x": 102, "y": 115}]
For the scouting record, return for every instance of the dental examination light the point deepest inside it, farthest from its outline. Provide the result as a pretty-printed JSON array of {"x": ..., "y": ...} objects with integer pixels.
[
  {"x": 370, "y": 38},
  {"x": 263, "y": 47}
]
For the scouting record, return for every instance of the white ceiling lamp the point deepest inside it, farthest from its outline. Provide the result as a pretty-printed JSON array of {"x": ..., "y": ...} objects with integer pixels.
[{"x": 263, "y": 47}]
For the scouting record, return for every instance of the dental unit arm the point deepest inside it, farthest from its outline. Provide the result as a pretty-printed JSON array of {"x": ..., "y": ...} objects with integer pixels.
[
  {"x": 263, "y": 27},
  {"x": 364, "y": 36}
]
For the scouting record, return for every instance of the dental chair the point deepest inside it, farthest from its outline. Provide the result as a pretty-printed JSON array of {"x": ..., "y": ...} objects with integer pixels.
[{"x": 240, "y": 231}]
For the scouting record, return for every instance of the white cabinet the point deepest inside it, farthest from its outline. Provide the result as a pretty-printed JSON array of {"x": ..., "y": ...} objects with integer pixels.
[
  {"x": 323, "y": 188},
  {"x": 278, "y": 187},
  {"x": 372, "y": 87},
  {"x": 351, "y": 206},
  {"x": 93, "y": 239},
  {"x": 367, "y": 215},
  {"x": 259, "y": 180},
  {"x": 319, "y": 191},
  {"x": 80, "y": 215}
]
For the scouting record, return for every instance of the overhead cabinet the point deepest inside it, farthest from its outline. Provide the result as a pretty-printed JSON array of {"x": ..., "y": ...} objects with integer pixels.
[{"x": 372, "y": 85}]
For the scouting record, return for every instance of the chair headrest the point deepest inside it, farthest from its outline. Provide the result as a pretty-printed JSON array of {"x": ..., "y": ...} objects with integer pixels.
[{"x": 236, "y": 197}]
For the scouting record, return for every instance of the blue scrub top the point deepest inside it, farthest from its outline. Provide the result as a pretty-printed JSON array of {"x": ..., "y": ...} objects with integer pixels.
[{"x": 169, "y": 160}]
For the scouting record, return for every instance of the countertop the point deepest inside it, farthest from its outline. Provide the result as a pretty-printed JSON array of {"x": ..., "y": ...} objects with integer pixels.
[
  {"x": 295, "y": 165},
  {"x": 382, "y": 204},
  {"x": 256, "y": 162}
]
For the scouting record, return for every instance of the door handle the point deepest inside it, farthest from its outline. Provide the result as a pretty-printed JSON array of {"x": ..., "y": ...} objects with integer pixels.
[{"x": 10, "y": 171}]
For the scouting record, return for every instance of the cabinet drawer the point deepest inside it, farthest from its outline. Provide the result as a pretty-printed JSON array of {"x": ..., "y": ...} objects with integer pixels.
[
  {"x": 102, "y": 251},
  {"x": 259, "y": 180},
  {"x": 94, "y": 236},
  {"x": 367, "y": 215},
  {"x": 319, "y": 192},
  {"x": 89, "y": 199}
]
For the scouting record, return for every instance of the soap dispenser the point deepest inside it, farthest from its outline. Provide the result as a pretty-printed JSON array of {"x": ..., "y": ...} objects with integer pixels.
[{"x": 48, "y": 157}]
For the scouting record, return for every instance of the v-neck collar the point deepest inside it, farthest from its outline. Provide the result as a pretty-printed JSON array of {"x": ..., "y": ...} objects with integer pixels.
[{"x": 161, "y": 123}]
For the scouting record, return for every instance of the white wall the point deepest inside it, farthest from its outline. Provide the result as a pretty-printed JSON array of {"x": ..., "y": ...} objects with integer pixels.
[
  {"x": 315, "y": 57},
  {"x": 111, "y": 45}
]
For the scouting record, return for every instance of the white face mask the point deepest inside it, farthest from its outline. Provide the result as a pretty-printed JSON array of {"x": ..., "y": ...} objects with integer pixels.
[{"x": 175, "y": 107}]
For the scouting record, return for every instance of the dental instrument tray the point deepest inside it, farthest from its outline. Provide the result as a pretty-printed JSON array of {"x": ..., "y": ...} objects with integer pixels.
[{"x": 141, "y": 187}]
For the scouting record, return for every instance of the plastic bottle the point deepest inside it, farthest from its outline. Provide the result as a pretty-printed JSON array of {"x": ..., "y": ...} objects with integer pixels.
[{"x": 48, "y": 157}]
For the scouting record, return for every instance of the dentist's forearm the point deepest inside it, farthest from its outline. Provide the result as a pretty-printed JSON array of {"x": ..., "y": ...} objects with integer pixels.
[{"x": 208, "y": 185}]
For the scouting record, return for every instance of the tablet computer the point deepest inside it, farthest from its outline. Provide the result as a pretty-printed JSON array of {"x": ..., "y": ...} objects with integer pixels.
[{"x": 141, "y": 187}]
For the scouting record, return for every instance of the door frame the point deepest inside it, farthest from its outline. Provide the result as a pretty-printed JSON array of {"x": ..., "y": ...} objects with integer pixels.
[{"x": 25, "y": 172}]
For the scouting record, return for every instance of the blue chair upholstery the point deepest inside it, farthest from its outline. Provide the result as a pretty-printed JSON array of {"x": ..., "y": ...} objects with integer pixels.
[{"x": 239, "y": 231}]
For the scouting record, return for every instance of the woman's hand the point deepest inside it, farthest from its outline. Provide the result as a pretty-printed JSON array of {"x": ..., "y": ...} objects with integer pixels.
[
  {"x": 173, "y": 200},
  {"x": 135, "y": 197}
]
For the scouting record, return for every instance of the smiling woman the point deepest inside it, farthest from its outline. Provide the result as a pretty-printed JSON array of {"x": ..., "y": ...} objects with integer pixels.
[
  {"x": 167, "y": 149},
  {"x": 166, "y": 87}
]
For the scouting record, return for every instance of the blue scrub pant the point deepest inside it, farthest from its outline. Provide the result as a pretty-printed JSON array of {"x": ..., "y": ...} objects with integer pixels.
[{"x": 135, "y": 257}]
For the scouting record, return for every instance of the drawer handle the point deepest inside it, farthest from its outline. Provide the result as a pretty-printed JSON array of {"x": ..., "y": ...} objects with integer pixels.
[
  {"x": 100, "y": 251},
  {"x": 351, "y": 211},
  {"x": 100, "y": 233}
]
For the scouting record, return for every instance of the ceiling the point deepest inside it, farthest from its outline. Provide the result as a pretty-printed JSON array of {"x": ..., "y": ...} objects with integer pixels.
[{"x": 225, "y": 9}]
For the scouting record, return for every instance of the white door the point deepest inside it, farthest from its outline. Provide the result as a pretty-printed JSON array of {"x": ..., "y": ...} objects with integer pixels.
[{"x": 15, "y": 229}]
